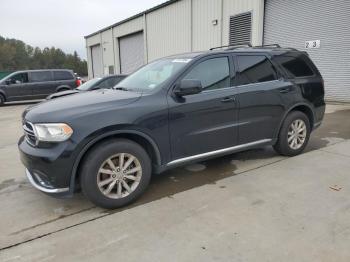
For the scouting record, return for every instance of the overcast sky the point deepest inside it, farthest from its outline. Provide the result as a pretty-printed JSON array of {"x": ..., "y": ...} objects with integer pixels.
[{"x": 64, "y": 23}]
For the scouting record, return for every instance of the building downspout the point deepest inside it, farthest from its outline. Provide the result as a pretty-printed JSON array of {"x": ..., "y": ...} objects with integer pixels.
[
  {"x": 145, "y": 37},
  {"x": 113, "y": 43},
  {"x": 222, "y": 23}
]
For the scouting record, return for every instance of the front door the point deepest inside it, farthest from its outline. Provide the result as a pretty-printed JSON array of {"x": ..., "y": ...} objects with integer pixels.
[
  {"x": 204, "y": 122},
  {"x": 18, "y": 87}
]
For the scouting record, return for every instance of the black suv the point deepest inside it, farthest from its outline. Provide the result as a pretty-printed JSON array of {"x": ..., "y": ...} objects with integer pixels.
[
  {"x": 93, "y": 84},
  {"x": 35, "y": 84},
  {"x": 171, "y": 112}
]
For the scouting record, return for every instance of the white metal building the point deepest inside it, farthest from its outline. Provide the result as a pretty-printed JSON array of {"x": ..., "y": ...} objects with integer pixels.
[{"x": 320, "y": 27}]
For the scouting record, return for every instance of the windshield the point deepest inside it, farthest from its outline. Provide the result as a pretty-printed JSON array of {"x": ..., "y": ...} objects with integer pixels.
[
  {"x": 152, "y": 75},
  {"x": 89, "y": 84}
]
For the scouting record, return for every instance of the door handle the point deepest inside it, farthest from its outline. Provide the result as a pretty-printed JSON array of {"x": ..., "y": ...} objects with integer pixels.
[
  {"x": 228, "y": 99},
  {"x": 285, "y": 90}
]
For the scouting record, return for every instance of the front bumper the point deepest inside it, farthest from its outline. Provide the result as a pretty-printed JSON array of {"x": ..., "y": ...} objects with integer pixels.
[
  {"x": 49, "y": 169},
  {"x": 41, "y": 185}
]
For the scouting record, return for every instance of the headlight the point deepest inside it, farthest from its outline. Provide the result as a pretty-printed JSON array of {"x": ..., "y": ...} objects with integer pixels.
[{"x": 53, "y": 132}]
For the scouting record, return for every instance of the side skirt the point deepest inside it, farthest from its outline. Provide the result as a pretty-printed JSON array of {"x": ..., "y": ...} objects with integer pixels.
[{"x": 219, "y": 152}]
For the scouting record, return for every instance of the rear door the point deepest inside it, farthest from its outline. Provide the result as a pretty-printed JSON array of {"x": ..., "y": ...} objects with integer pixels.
[
  {"x": 263, "y": 96},
  {"x": 43, "y": 83},
  {"x": 204, "y": 122}
]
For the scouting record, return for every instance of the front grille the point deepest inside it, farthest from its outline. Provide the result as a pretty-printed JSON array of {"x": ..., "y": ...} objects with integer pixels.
[{"x": 30, "y": 134}]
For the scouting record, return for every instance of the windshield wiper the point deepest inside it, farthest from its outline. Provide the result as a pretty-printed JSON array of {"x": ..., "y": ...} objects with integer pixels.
[{"x": 121, "y": 88}]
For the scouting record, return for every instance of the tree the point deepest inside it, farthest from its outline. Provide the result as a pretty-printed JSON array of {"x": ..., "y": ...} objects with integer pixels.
[{"x": 16, "y": 55}]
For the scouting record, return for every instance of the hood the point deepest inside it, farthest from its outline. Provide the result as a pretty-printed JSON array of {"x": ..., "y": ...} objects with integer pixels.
[
  {"x": 64, "y": 109},
  {"x": 62, "y": 93}
]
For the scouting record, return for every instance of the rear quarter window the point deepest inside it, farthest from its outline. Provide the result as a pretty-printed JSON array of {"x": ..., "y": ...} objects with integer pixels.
[
  {"x": 294, "y": 66},
  {"x": 62, "y": 75}
]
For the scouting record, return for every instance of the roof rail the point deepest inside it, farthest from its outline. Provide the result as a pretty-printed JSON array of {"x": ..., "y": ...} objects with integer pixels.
[
  {"x": 271, "y": 45},
  {"x": 229, "y": 47}
]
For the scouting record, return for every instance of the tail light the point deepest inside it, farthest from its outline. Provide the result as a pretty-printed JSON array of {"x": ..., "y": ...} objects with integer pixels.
[{"x": 77, "y": 82}]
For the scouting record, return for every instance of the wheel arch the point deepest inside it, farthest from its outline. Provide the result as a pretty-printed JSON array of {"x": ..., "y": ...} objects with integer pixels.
[
  {"x": 139, "y": 137},
  {"x": 302, "y": 107},
  {"x": 2, "y": 93},
  {"x": 64, "y": 87}
]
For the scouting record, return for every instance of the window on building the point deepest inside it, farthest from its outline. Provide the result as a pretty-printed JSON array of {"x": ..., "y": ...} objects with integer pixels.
[
  {"x": 62, "y": 75},
  {"x": 255, "y": 69},
  {"x": 294, "y": 66},
  {"x": 213, "y": 73},
  {"x": 41, "y": 76},
  {"x": 240, "y": 29}
]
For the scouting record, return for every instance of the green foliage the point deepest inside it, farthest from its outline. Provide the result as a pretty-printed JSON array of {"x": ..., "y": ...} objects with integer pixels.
[{"x": 16, "y": 55}]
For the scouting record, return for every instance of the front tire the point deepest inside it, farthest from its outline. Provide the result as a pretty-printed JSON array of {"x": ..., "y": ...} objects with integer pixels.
[
  {"x": 294, "y": 134},
  {"x": 115, "y": 173}
]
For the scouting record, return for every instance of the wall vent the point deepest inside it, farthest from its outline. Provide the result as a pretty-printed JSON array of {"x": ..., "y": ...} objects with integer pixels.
[{"x": 240, "y": 29}]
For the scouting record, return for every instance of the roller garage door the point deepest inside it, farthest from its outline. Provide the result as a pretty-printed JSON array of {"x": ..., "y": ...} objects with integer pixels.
[
  {"x": 96, "y": 58},
  {"x": 131, "y": 52},
  {"x": 292, "y": 23}
]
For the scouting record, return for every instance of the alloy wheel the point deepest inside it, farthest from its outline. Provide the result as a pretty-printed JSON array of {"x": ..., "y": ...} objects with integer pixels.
[
  {"x": 297, "y": 133},
  {"x": 119, "y": 175}
]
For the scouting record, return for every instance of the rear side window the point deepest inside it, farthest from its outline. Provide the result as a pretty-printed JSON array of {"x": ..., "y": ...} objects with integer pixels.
[
  {"x": 294, "y": 66},
  {"x": 42, "y": 76},
  {"x": 62, "y": 75},
  {"x": 213, "y": 73},
  {"x": 255, "y": 69}
]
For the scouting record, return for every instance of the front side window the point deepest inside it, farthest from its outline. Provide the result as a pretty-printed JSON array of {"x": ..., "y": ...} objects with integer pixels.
[
  {"x": 19, "y": 78},
  {"x": 255, "y": 69},
  {"x": 214, "y": 73},
  {"x": 41, "y": 76},
  {"x": 62, "y": 75}
]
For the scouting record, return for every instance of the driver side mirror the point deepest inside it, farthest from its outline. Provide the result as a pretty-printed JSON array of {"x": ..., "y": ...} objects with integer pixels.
[{"x": 188, "y": 87}]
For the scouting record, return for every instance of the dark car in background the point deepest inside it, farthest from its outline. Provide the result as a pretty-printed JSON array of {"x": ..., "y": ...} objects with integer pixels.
[
  {"x": 36, "y": 84},
  {"x": 171, "y": 112},
  {"x": 93, "y": 84}
]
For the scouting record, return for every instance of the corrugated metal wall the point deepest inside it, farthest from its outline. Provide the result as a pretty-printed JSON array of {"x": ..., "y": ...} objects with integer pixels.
[
  {"x": 182, "y": 26},
  {"x": 291, "y": 23},
  {"x": 205, "y": 35},
  {"x": 169, "y": 30}
]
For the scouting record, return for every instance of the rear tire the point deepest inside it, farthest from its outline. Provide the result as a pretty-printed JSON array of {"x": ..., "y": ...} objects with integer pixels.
[
  {"x": 294, "y": 134},
  {"x": 2, "y": 100},
  {"x": 110, "y": 182}
]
